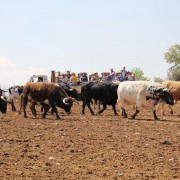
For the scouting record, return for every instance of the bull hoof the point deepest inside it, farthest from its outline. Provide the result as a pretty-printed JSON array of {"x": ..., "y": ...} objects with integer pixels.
[
  {"x": 132, "y": 117},
  {"x": 156, "y": 119},
  {"x": 125, "y": 117},
  {"x": 97, "y": 114},
  {"x": 58, "y": 118}
]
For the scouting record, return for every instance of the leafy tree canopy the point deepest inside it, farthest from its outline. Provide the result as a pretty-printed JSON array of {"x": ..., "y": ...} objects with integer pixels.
[
  {"x": 174, "y": 73},
  {"x": 139, "y": 74},
  {"x": 173, "y": 55},
  {"x": 158, "y": 79}
]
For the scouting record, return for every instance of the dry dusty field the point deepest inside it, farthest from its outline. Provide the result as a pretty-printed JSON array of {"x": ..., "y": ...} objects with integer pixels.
[{"x": 90, "y": 147}]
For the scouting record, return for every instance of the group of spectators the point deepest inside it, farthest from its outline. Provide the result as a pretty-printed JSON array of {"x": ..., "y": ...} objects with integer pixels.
[{"x": 74, "y": 79}]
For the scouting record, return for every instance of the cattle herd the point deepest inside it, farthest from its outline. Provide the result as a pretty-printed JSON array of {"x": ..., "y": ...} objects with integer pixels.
[{"x": 139, "y": 94}]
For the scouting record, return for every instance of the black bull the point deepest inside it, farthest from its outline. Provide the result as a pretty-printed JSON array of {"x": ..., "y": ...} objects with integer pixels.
[
  {"x": 106, "y": 92},
  {"x": 3, "y": 102},
  {"x": 70, "y": 92}
]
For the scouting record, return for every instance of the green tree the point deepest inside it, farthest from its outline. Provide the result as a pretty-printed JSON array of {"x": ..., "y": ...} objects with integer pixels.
[
  {"x": 173, "y": 57},
  {"x": 139, "y": 74},
  {"x": 174, "y": 73},
  {"x": 158, "y": 79}
]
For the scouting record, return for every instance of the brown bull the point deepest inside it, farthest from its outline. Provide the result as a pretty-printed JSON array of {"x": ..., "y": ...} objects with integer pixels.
[
  {"x": 49, "y": 95},
  {"x": 175, "y": 89}
]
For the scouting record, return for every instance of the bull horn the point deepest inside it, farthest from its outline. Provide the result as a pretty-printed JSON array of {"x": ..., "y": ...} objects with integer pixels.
[
  {"x": 2, "y": 97},
  {"x": 170, "y": 88},
  {"x": 74, "y": 100},
  {"x": 65, "y": 99},
  {"x": 165, "y": 89}
]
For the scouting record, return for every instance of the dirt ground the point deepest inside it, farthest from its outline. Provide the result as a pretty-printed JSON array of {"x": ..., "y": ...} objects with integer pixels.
[{"x": 90, "y": 147}]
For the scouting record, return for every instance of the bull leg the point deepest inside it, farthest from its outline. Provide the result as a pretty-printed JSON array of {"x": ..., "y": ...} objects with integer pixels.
[
  {"x": 114, "y": 109},
  {"x": 171, "y": 109},
  {"x": 33, "y": 109},
  {"x": 104, "y": 107},
  {"x": 136, "y": 112},
  {"x": 88, "y": 105},
  {"x": 52, "y": 112},
  {"x": 155, "y": 116},
  {"x": 124, "y": 114},
  {"x": 13, "y": 106},
  {"x": 45, "y": 110},
  {"x": 21, "y": 104},
  {"x": 94, "y": 103},
  {"x": 54, "y": 109},
  {"x": 85, "y": 102},
  {"x": 162, "y": 109},
  {"x": 25, "y": 101},
  {"x": 83, "y": 107},
  {"x": 99, "y": 104},
  {"x": 56, "y": 112}
]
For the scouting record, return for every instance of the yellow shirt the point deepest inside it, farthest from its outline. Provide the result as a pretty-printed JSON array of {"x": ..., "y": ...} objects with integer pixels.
[{"x": 74, "y": 78}]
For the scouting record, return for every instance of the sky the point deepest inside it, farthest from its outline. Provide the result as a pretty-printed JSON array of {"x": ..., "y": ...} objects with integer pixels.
[{"x": 39, "y": 36}]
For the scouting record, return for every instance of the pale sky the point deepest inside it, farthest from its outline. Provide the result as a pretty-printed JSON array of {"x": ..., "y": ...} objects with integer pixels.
[{"x": 38, "y": 36}]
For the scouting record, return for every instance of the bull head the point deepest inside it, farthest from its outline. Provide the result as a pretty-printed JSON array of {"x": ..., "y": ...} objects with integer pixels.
[{"x": 167, "y": 96}]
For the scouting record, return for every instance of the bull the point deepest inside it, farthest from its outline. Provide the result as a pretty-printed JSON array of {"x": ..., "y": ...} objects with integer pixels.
[
  {"x": 3, "y": 102},
  {"x": 45, "y": 92},
  {"x": 14, "y": 92},
  {"x": 144, "y": 94},
  {"x": 70, "y": 91},
  {"x": 175, "y": 89},
  {"x": 106, "y": 92}
]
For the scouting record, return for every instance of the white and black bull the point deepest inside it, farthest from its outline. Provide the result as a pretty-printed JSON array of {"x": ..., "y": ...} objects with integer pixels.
[
  {"x": 142, "y": 94},
  {"x": 14, "y": 93},
  {"x": 106, "y": 92},
  {"x": 49, "y": 95}
]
